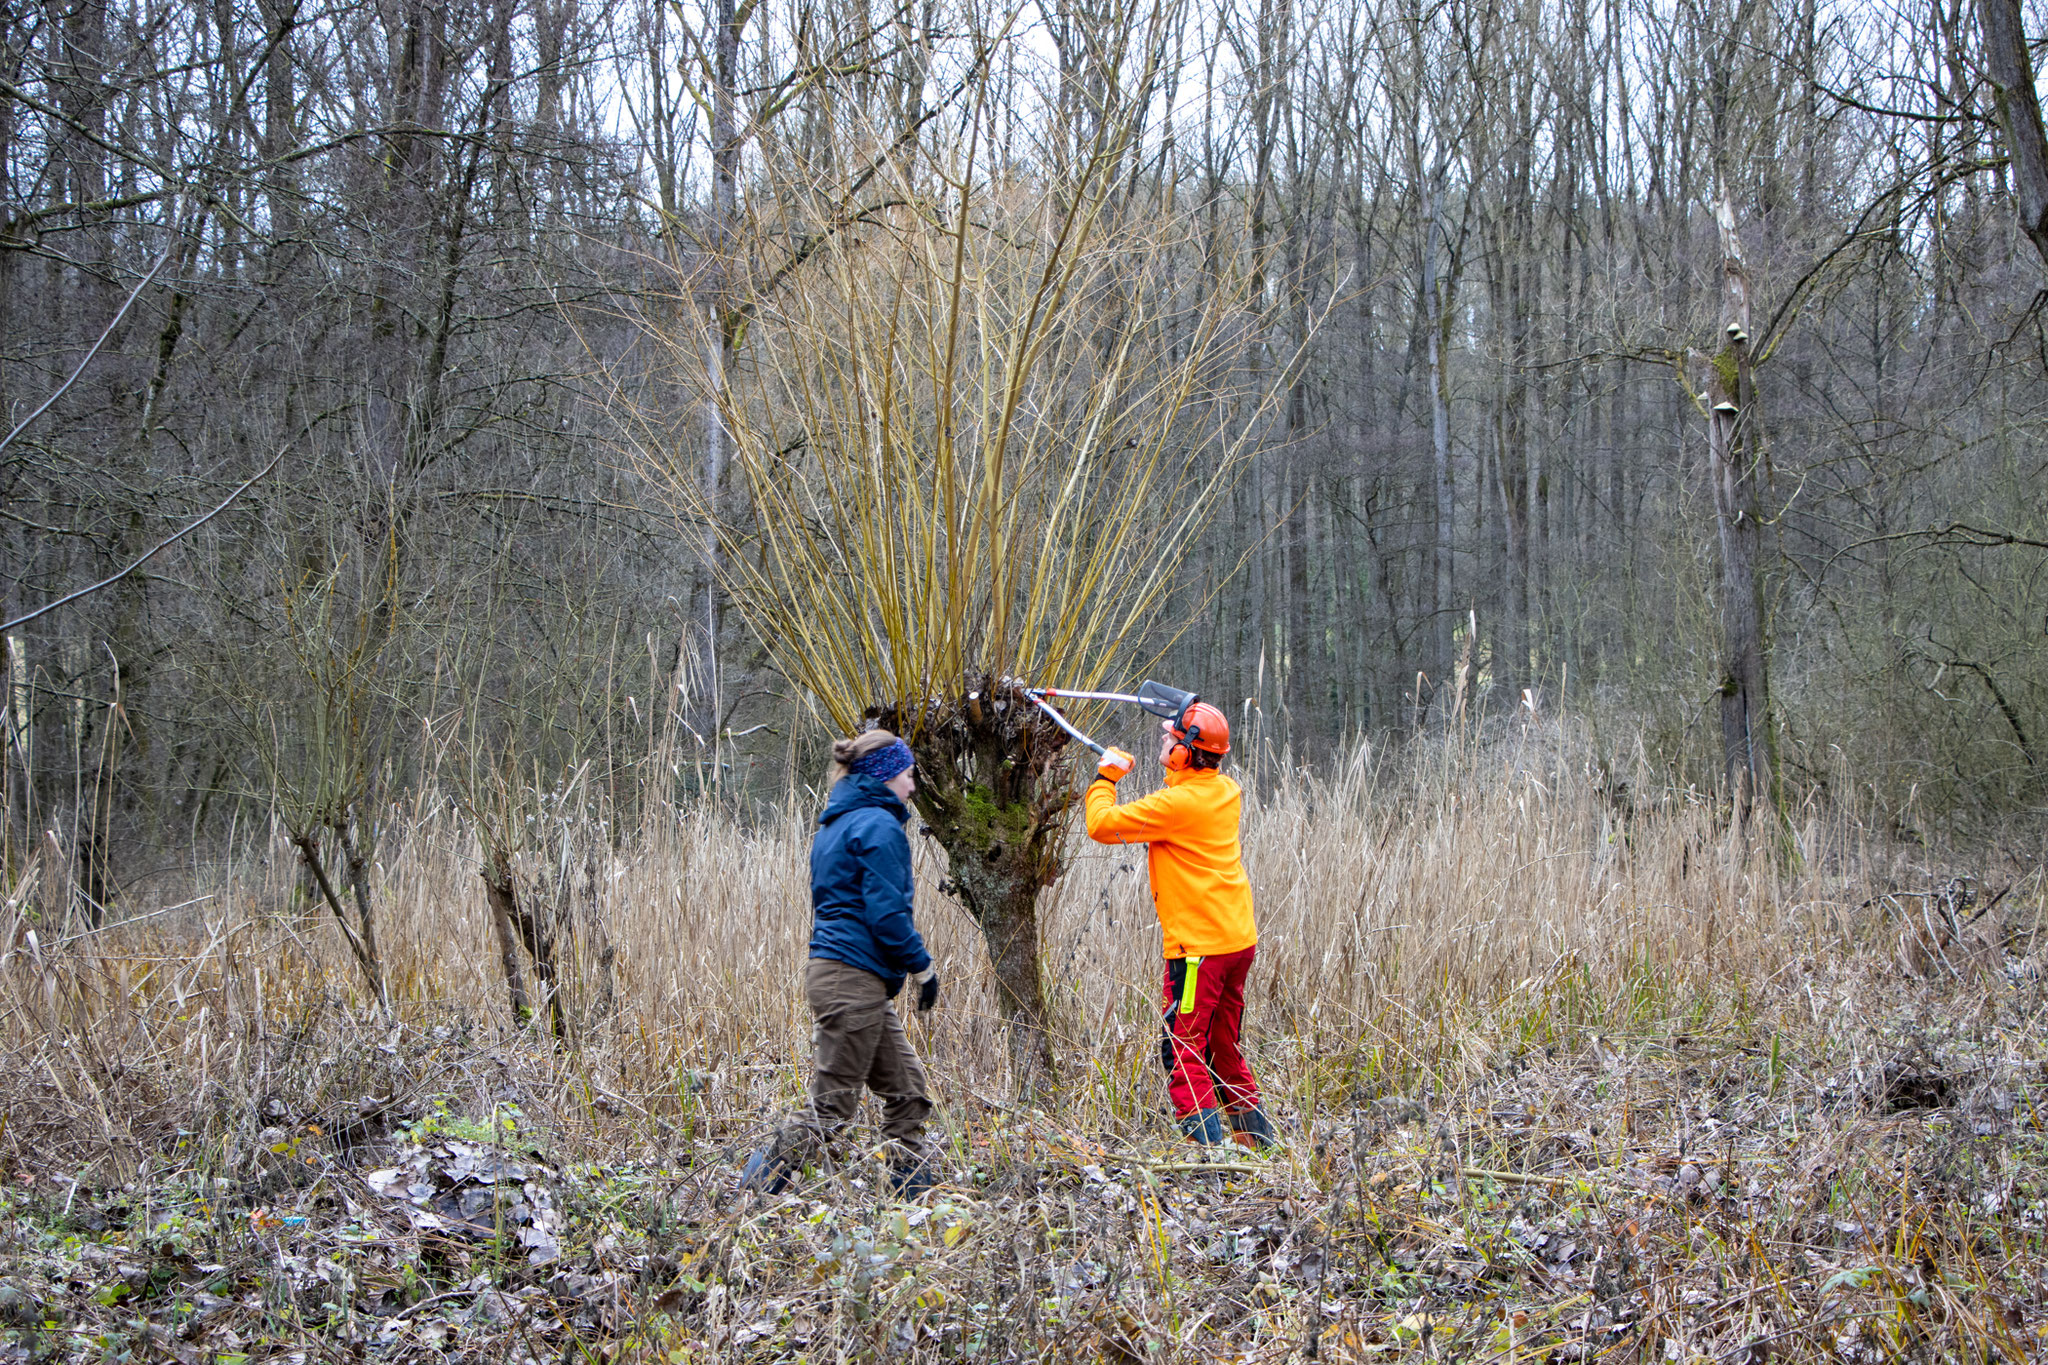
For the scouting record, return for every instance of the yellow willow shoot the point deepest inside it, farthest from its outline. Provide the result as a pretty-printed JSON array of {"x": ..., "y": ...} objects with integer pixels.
[{"x": 978, "y": 430}]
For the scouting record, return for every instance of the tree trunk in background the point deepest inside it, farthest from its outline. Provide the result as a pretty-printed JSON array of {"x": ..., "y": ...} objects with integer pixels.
[
  {"x": 497, "y": 879},
  {"x": 536, "y": 929},
  {"x": 1514, "y": 280},
  {"x": 1748, "y": 747},
  {"x": 308, "y": 844},
  {"x": 79, "y": 161},
  {"x": 721, "y": 321},
  {"x": 280, "y": 132},
  {"x": 1437, "y": 322},
  {"x": 357, "y": 866},
  {"x": 2019, "y": 114},
  {"x": 606, "y": 952}
]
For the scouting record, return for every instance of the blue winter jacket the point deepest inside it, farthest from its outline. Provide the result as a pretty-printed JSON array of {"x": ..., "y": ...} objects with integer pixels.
[{"x": 860, "y": 883}]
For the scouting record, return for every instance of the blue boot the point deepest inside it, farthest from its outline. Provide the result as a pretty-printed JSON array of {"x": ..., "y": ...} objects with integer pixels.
[
  {"x": 765, "y": 1172},
  {"x": 1204, "y": 1126},
  {"x": 1253, "y": 1129}
]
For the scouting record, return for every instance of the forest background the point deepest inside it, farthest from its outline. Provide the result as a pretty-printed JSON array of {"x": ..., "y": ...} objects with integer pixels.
[{"x": 431, "y": 275}]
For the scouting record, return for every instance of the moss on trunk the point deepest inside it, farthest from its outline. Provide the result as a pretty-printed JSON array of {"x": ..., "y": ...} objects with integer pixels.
[{"x": 993, "y": 790}]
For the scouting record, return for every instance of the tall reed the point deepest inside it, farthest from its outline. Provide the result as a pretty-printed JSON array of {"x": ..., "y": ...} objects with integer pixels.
[{"x": 1439, "y": 908}]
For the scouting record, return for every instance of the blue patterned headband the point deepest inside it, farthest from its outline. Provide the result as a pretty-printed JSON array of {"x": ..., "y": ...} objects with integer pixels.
[{"x": 883, "y": 763}]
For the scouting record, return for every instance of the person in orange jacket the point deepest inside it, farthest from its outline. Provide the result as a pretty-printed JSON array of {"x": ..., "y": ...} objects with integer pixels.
[{"x": 1205, "y": 919}]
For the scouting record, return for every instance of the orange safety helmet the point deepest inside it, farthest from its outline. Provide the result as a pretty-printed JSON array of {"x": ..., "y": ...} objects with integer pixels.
[{"x": 1201, "y": 726}]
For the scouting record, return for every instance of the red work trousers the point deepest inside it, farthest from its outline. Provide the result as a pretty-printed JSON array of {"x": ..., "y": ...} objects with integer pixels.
[{"x": 1204, "y": 1011}]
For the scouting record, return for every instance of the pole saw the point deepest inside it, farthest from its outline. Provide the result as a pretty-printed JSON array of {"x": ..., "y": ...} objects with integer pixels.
[{"x": 1168, "y": 703}]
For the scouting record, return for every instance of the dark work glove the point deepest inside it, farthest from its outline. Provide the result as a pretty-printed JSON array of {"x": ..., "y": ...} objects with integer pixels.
[{"x": 927, "y": 989}]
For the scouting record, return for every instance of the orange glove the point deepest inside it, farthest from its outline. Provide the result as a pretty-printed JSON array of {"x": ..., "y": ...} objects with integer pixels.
[{"x": 1115, "y": 765}]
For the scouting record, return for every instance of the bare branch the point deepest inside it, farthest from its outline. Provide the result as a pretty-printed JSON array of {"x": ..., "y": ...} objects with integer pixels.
[{"x": 152, "y": 551}]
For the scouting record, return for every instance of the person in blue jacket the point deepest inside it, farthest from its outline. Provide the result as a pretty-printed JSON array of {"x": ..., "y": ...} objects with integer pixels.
[{"x": 864, "y": 942}]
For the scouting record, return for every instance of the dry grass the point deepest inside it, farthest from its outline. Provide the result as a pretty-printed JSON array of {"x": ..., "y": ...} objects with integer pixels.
[{"x": 1565, "y": 1075}]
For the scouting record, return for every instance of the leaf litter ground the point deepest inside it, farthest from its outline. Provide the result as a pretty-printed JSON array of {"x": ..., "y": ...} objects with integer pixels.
[{"x": 1859, "y": 1175}]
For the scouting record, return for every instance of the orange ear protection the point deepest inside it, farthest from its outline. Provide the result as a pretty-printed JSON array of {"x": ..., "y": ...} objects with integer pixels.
[{"x": 1179, "y": 756}]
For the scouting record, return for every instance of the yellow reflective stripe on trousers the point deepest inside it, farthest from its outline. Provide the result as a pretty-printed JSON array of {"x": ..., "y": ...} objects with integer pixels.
[{"x": 1187, "y": 984}]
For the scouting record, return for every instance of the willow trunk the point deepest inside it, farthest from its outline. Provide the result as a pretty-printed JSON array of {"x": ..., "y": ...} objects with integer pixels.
[{"x": 993, "y": 791}]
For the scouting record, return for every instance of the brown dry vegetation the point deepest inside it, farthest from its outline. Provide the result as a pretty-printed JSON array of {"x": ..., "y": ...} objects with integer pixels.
[{"x": 1565, "y": 1073}]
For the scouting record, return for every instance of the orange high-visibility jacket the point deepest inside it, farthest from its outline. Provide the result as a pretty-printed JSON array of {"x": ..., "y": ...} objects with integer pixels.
[{"x": 1198, "y": 882}]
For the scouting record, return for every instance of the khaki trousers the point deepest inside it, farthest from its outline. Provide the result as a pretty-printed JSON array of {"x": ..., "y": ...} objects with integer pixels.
[{"x": 857, "y": 1041}]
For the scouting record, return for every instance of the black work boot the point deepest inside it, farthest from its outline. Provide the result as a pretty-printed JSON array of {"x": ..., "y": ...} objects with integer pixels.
[
  {"x": 1253, "y": 1129},
  {"x": 910, "y": 1177},
  {"x": 1204, "y": 1126}
]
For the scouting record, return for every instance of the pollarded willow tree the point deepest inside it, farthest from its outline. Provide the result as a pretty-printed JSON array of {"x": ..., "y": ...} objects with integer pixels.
[{"x": 976, "y": 426}]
